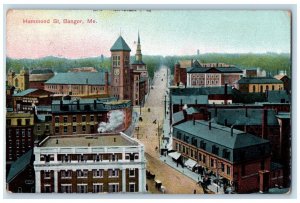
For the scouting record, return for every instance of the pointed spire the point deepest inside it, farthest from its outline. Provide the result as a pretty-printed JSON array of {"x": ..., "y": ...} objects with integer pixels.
[{"x": 138, "y": 37}]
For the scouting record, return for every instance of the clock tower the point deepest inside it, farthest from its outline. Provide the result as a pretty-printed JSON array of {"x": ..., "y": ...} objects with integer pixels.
[{"x": 120, "y": 70}]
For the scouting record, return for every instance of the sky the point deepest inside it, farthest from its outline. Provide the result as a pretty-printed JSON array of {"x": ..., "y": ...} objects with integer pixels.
[{"x": 172, "y": 32}]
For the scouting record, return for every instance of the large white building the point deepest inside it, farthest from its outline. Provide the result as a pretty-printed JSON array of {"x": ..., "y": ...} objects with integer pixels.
[{"x": 93, "y": 163}]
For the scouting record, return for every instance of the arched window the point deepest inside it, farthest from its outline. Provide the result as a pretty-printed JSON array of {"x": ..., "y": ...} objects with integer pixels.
[
  {"x": 267, "y": 87},
  {"x": 254, "y": 88},
  {"x": 273, "y": 87},
  {"x": 261, "y": 88}
]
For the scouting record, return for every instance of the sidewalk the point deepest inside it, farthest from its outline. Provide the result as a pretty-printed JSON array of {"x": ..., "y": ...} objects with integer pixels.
[{"x": 196, "y": 177}]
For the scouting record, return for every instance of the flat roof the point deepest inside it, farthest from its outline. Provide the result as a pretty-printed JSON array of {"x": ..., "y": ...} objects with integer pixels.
[{"x": 92, "y": 140}]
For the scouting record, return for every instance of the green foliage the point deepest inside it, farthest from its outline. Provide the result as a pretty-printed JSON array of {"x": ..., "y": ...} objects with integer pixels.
[{"x": 271, "y": 62}]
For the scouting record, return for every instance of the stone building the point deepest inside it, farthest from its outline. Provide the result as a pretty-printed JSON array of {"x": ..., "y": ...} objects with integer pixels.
[
  {"x": 19, "y": 81},
  {"x": 113, "y": 163}
]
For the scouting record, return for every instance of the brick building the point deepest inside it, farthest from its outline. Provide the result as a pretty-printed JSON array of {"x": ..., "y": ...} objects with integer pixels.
[
  {"x": 120, "y": 70},
  {"x": 287, "y": 84},
  {"x": 258, "y": 84},
  {"x": 199, "y": 76},
  {"x": 236, "y": 156},
  {"x": 84, "y": 116},
  {"x": 27, "y": 99},
  {"x": 90, "y": 164},
  {"x": 79, "y": 84},
  {"x": 19, "y": 135},
  {"x": 38, "y": 77}
]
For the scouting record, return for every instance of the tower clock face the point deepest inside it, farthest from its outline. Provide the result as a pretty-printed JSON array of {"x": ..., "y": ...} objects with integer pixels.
[{"x": 117, "y": 71}]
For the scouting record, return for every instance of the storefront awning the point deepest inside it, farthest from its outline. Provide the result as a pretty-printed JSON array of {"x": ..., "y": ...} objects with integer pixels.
[
  {"x": 190, "y": 163},
  {"x": 174, "y": 155}
]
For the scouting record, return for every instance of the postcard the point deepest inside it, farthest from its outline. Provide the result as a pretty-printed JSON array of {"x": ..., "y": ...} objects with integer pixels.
[{"x": 148, "y": 101}]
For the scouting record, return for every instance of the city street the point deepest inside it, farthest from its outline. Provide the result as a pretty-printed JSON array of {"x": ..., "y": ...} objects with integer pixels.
[{"x": 149, "y": 128}]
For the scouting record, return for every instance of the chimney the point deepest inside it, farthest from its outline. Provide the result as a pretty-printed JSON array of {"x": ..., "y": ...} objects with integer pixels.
[
  {"x": 78, "y": 107},
  {"x": 209, "y": 125}
]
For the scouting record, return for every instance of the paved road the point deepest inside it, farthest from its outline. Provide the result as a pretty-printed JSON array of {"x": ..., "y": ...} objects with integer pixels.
[{"x": 174, "y": 181}]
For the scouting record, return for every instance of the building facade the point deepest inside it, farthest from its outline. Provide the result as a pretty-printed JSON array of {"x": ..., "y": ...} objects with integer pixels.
[
  {"x": 19, "y": 135},
  {"x": 90, "y": 164},
  {"x": 258, "y": 84},
  {"x": 140, "y": 83},
  {"x": 38, "y": 77},
  {"x": 199, "y": 76},
  {"x": 79, "y": 84},
  {"x": 19, "y": 81},
  {"x": 28, "y": 99},
  {"x": 234, "y": 155},
  {"x": 120, "y": 70},
  {"x": 71, "y": 117}
]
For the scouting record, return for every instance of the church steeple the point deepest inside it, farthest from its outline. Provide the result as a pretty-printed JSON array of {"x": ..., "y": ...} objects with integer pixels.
[{"x": 138, "y": 55}]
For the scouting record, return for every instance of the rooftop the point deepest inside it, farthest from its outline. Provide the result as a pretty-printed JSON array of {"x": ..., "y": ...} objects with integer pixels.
[
  {"x": 214, "y": 69},
  {"x": 259, "y": 80},
  {"x": 92, "y": 140},
  {"x": 19, "y": 165},
  {"x": 238, "y": 116},
  {"x": 80, "y": 78},
  {"x": 41, "y": 71},
  {"x": 25, "y": 92},
  {"x": 120, "y": 45},
  {"x": 220, "y": 134},
  {"x": 33, "y": 92},
  {"x": 200, "y": 90}
]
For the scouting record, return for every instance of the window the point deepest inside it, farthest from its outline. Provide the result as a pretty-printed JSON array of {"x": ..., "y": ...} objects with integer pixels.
[
  {"x": 204, "y": 159},
  {"x": 56, "y": 119},
  {"x": 66, "y": 188},
  {"x": 136, "y": 156},
  {"x": 47, "y": 174},
  {"x": 92, "y": 129},
  {"x": 92, "y": 117},
  {"x": 83, "y": 128},
  {"x": 222, "y": 167},
  {"x": 98, "y": 173},
  {"x": 97, "y": 187},
  {"x": 112, "y": 173},
  {"x": 113, "y": 187},
  {"x": 29, "y": 132},
  {"x": 211, "y": 162},
  {"x": 114, "y": 157},
  {"x": 19, "y": 121},
  {"x": 74, "y": 129},
  {"x": 56, "y": 129},
  {"x": 131, "y": 187},
  {"x": 82, "y": 173},
  {"x": 27, "y": 121},
  {"x": 38, "y": 127},
  {"x": 65, "y": 129},
  {"x": 66, "y": 174},
  {"x": 23, "y": 133},
  {"x": 8, "y": 122},
  {"x": 74, "y": 118},
  {"x": 132, "y": 172},
  {"x": 47, "y": 188},
  {"x": 82, "y": 158},
  {"x": 243, "y": 170},
  {"x": 82, "y": 188},
  {"x": 66, "y": 158},
  {"x": 17, "y": 143},
  {"x": 202, "y": 145},
  {"x": 19, "y": 190},
  {"x": 192, "y": 153},
  {"x": 228, "y": 170},
  {"x": 98, "y": 157},
  {"x": 226, "y": 154},
  {"x": 83, "y": 118},
  {"x": 215, "y": 150},
  {"x": 65, "y": 119}
]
